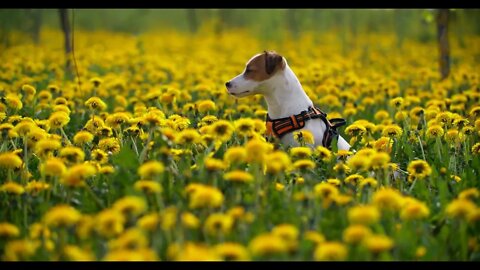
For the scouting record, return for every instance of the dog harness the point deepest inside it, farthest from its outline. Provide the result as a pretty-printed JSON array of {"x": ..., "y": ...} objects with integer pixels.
[{"x": 281, "y": 126}]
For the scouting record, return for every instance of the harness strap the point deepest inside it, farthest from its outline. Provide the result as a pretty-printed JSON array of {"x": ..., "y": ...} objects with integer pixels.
[{"x": 279, "y": 127}]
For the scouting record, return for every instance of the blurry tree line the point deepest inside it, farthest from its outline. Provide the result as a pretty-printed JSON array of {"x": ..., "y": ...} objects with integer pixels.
[
  {"x": 407, "y": 23},
  {"x": 419, "y": 24}
]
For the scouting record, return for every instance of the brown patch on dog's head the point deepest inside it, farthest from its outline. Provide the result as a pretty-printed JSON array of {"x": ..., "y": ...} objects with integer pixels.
[{"x": 264, "y": 66}]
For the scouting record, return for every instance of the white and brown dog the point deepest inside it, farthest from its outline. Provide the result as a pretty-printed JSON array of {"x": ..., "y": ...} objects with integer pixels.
[{"x": 289, "y": 107}]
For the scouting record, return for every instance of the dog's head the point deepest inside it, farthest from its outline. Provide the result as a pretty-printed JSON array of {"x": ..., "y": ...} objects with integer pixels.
[{"x": 259, "y": 71}]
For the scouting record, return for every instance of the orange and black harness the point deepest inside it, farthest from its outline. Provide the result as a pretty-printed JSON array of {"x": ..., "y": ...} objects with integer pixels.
[{"x": 280, "y": 127}]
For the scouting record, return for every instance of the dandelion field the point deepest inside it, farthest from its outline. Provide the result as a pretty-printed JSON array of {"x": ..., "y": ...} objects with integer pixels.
[{"x": 147, "y": 157}]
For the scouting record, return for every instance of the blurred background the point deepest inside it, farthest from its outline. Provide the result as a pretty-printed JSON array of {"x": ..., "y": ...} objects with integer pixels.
[{"x": 418, "y": 24}]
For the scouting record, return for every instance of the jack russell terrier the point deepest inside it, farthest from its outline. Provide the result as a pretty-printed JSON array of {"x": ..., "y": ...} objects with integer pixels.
[{"x": 289, "y": 107}]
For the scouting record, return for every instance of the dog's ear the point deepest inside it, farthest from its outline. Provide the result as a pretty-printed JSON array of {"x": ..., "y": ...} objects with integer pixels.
[{"x": 272, "y": 61}]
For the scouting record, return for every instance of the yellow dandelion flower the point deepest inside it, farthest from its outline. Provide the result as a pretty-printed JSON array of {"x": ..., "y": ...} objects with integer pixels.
[
  {"x": 236, "y": 154},
  {"x": 323, "y": 153},
  {"x": 356, "y": 233},
  {"x": 77, "y": 174},
  {"x": 325, "y": 191},
  {"x": 10, "y": 160},
  {"x": 12, "y": 188},
  {"x": 379, "y": 161},
  {"x": 267, "y": 244},
  {"x": 388, "y": 198},
  {"x": 330, "y": 251},
  {"x": 244, "y": 126},
  {"x": 45, "y": 147},
  {"x": 304, "y": 136},
  {"x": 277, "y": 162},
  {"x": 19, "y": 250},
  {"x": 315, "y": 237},
  {"x": 238, "y": 176},
  {"x": 109, "y": 223},
  {"x": 460, "y": 208},
  {"x": 257, "y": 150},
  {"x": 62, "y": 216},
  {"x": 190, "y": 221},
  {"x": 34, "y": 187},
  {"x": 109, "y": 145},
  {"x": 29, "y": 90},
  {"x": 196, "y": 252},
  {"x": 148, "y": 186},
  {"x": 359, "y": 162},
  {"x": 453, "y": 136},
  {"x": 85, "y": 226},
  {"x": 396, "y": 102},
  {"x": 363, "y": 214},
  {"x": 378, "y": 243},
  {"x": 469, "y": 194},
  {"x": 96, "y": 103},
  {"x": 99, "y": 156},
  {"x": 231, "y": 251},
  {"x": 355, "y": 130},
  {"x": 58, "y": 120},
  {"x": 354, "y": 179},
  {"x": 476, "y": 149},
  {"x": 151, "y": 169},
  {"x": 74, "y": 253},
  {"x": 72, "y": 154},
  {"x": 94, "y": 124},
  {"x": 300, "y": 152},
  {"x": 421, "y": 251},
  {"x": 222, "y": 130},
  {"x": 143, "y": 254},
  {"x": 304, "y": 164},
  {"x": 131, "y": 239},
  {"x": 187, "y": 136},
  {"x": 149, "y": 222},
  {"x": 392, "y": 131},
  {"x": 287, "y": 232},
  {"x": 96, "y": 81},
  {"x": 414, "y": 209},
  {"x": 205, "y": 197},
  {"x": 130, "y": 205},
  {"x": 383, "y": 144},
  {"x": 13, "y": 101},
  {"x": 206, "y": 106},
  {"x": 381, "y": 115},
  {"x": 334, "y": 181},
  {"x": 213, "y": 164},
  {"x": 83, "y": 137},
  {"x": 8, "y": 230},
  {"x": 218, "y": 223},
  {"x": 419, "y": 169}
]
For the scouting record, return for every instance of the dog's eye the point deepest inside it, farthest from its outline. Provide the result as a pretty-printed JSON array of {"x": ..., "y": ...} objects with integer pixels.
[{"x": 247, "y": 71}]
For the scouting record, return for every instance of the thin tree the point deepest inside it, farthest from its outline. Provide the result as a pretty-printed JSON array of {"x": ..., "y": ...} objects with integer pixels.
[
  {"x": 192, "y": 20},
  {"x": 36, "y": 24},
  {"x": 64, "y": 23},
  {"x": 292, "y": 22},
  {"x": 443, "y": 45}
]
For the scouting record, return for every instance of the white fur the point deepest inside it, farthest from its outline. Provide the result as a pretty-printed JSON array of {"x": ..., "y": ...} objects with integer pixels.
[{"x": 285, "y": 97}]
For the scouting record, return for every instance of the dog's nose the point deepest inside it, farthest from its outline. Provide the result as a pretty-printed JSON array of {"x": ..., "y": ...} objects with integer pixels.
[{"x": 228, "y": 84}]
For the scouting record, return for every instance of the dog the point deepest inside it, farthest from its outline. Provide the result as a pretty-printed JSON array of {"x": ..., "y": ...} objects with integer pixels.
[{"x": 289, "y": 107}]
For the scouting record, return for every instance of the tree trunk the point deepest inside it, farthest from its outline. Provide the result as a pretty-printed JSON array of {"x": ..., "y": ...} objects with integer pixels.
[
  {"x": 36, "y": 15},
  {"x": 64, "y": 23},
  {"x": 223, "y": 21},
  {"x": 443, "y": 46},
  {"x": 192, "y": 20},
  {"x": 292, "y": 22}
]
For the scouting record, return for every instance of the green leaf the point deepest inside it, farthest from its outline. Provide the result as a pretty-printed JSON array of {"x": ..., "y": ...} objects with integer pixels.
[{"x": 126, "y": 158}]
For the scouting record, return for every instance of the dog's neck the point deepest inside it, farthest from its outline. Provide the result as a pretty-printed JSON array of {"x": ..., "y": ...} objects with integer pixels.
[{"x": 286, "y": 96}]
